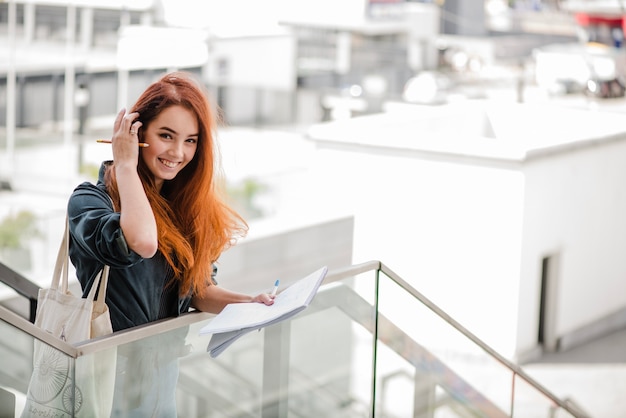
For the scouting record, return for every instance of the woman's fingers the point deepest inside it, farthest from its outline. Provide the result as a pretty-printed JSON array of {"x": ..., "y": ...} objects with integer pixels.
[
  {"x": 126, "y": 126},
  {"x": 129, "y": 121},
  {"x": 134, "y": 128},
  {"x": 118, "y": 119},
  {"x": 264, "y": 298}
]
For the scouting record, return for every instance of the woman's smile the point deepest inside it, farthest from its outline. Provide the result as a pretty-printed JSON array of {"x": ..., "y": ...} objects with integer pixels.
[{"x": 168, "y": 163}]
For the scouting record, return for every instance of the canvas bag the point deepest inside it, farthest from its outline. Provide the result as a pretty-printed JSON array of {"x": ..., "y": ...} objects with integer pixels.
[{"x": 73, "y": 319}]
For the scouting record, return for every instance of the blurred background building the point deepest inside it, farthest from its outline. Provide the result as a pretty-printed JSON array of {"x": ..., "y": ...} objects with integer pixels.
[{"x": 476, "y": 147}]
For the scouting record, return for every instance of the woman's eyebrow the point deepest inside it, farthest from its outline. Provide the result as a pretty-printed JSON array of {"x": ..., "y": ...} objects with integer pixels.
[{"x": 170, "y": 130}]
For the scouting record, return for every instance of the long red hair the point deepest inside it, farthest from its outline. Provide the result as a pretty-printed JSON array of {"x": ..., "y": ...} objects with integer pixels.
[{"x": 195, "y": 224}]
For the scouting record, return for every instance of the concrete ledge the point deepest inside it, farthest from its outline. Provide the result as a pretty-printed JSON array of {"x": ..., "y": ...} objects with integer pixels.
[
  {"x": 577, "y": 338},
  {"x": 590, "y": 332},
  {"x": 287, "y": 250}
]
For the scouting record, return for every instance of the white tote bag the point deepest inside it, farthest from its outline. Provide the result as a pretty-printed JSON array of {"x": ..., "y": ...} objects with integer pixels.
[{"x": 60, "y": 387}]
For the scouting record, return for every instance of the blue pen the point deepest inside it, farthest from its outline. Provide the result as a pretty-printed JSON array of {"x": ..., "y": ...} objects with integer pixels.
[{"x": 275, "y": 289}]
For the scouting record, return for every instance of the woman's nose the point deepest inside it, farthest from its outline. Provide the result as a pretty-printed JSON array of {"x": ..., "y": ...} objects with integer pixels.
[{"x": 177, "y": 148}]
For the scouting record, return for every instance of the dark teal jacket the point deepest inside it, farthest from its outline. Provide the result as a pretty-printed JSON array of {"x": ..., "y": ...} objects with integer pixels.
[{"x": 138, "y": 290}]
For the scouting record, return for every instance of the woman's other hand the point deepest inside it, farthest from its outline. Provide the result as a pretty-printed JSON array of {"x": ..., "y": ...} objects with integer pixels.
[{"x": 265, "y": 298}]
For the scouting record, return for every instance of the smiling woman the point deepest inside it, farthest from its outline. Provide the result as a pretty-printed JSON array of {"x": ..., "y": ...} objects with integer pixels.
[{"x": 157, "y": 217}]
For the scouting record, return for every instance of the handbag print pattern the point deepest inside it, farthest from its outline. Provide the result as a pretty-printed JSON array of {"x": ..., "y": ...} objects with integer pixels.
[
  {"x": 62, "y": 387},
  {"x": 52, "y": 374}
]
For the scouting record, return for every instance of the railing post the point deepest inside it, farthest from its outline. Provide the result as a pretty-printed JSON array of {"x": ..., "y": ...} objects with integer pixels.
[
  {"x": 275, "y": 391},
  {"x": 375, "y": 344},
  {"x": 424, "y": 401}
]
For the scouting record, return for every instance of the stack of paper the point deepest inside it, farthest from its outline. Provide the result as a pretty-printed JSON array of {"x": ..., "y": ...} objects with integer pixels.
[{"x": 237, "y": 319}]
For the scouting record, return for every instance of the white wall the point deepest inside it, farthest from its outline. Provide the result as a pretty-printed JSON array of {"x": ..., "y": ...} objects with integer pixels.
[
  {"x": 451, "y": 230},
  {"x": 574, "y": 207},
  {"x": 467, "y": 219},
  {"x": 265, "y": 62}
]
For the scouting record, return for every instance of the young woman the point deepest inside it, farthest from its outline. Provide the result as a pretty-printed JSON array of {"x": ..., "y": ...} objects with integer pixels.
[{"x": 158, "y": 218}]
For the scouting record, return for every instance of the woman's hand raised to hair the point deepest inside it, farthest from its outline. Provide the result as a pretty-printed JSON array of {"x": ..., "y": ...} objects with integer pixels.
[{"x": 125, "y": 138}]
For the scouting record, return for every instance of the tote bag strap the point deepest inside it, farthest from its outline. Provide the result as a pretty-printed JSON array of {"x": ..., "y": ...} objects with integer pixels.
[
  {"x": 61, "y": 268},
  {"x": 59, "y": 276},
  {"x": 103, "y": 280}
]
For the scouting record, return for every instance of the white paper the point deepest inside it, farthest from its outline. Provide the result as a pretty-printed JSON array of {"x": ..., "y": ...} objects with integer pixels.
[{"x": 237, "y": 319}]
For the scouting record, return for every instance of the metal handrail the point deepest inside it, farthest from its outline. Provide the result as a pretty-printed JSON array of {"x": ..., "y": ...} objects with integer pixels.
[
  {"x": 10, "y": 317},
  {"x": 22, "y": 286},
  {"x": 516, "y": 369},
  {"x": 143, "y": 331},
  {"x": 158, "y": 327}
]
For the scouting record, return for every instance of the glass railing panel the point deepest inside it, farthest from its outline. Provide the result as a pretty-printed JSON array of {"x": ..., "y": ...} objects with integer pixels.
[
  {"x": 399, "y": 386},
  {"x": 446, "y": 370},
  {"x": 50, "y": 384},
  {"x": 331, "y": 352},
  {"x": 231, "y": 383},
  {"x": 319, "y": 363},
  {"x": 16, "y": 366},
  {"x": 336, "y": 358},
  {"x": 323, "y": 379},
  {"x": 147, "y": 373},
  {"x": 531, "y": 403}
]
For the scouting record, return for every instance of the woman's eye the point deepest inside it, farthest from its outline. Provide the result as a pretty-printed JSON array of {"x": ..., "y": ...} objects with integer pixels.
[
  {"x": 166, "y": 136},
  {"x": 192, "y": 140}
]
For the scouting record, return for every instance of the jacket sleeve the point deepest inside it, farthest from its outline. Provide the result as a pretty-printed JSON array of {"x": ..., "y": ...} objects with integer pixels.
[{"x": 95, "y": 228}]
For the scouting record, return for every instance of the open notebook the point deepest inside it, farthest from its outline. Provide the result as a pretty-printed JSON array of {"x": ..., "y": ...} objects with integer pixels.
[{"x": 237, "y": 319}]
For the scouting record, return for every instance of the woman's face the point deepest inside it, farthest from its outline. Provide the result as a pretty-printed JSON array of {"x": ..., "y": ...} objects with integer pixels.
[{"x": 173, "y": 138}]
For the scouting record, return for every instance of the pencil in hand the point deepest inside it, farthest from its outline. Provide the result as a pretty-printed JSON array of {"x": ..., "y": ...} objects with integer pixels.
[{"x": 108, "y": 141}]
